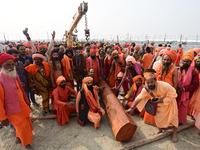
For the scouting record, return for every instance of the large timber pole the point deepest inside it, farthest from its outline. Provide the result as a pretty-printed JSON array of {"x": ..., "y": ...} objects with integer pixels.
[{"x": 122, "y": 125}]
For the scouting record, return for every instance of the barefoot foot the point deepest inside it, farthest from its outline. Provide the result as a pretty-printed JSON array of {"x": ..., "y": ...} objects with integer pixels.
[
  {"x": 28, "y": 147},
  {"x": 17, "y": 141}
]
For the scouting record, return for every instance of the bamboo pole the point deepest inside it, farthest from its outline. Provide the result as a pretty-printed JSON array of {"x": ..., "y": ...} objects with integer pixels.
[{"x": 153, "y": 138}]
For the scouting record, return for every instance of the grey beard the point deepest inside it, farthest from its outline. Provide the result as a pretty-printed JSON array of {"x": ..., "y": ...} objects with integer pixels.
[{"x": 10, "y": 73}]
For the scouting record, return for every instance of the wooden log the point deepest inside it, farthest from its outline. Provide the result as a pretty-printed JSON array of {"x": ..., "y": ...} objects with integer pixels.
[
  {"x": 122, "y": 125},
  {"x": 154, "y": 137}
]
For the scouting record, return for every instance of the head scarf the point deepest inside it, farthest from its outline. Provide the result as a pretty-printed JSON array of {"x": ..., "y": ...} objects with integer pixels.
[
  {"x": 197, "y": 50},
  {"x": 92, "y": 100},
  {"x": 92, "y": 51},
  {"x": 120, "y": 75},
  {"x": 149, "y": 75},
  {"x": 171, "y": 54},
  {"x": 137, "y": 47},
  {"x": 188, "y": 55},
  {"x": 162, "y": 51},
  {"x": 42, "y": 46},
  {"x": 37, "y": 56},
  {"x": 87, "y": 79},
  {"x": 5, "y": 57},
  {"x": 130, "y": 58},
  {"x": 114, "y": 52},
  {"x": 60, "y": 79},
  {"x": 134, "y": 86}
]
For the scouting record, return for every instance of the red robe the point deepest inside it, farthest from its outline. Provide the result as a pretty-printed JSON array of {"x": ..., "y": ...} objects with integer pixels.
[{"x": 60, "y": 97}]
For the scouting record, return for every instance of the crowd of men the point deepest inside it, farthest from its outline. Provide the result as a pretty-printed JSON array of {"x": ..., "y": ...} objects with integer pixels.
[{"x": 145, "y": 79}]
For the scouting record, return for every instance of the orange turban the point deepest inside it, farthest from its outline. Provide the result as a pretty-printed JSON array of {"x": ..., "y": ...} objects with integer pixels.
[
  {"x": 188, "y": 55},
  {"x": 92, "y": 51},
  {"x": 130, "y": 58},
  {"x": 134, "y": 86},
  {"x": 173, "y": 51},
  {"x": 120, "y": 75},
  {"x": 149, "y": 75},
  {"x": 114, "y": 52},
  {"x": 60, "y": 79},
  {"x": 158, "y": 49},
  {"x": 197, "y": 50},
  {"x": 43, "y": 46},
  {"x": 87, "y": 79},
  {"x": 137, "y": 47},
  {"x": 171, "y": 54},
  {"x": 138, "y": 77}
]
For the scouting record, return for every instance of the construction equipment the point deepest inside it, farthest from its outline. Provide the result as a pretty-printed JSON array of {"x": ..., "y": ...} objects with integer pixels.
[{"x": 70, "y": 37}]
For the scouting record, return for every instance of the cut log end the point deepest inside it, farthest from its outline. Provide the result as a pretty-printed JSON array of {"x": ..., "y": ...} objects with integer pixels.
[{"x": 126, "y": 132}]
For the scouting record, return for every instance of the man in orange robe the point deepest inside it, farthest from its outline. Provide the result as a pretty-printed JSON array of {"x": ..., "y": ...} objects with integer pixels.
[
  {"x": 116, "y": 67},
  {"x": 87, "y": 104},
  {"x": 147, "y": 58},
  {"x": 92, "y": 62},
  {"x": 166, "y": 71},
  {"x": 179, "y": 55},
  {"x": 167, "y": 112},
  {"x": 61, "y": 103},
  {"x": 14, "y": 102},
  {"x": 67, "y": 63}
]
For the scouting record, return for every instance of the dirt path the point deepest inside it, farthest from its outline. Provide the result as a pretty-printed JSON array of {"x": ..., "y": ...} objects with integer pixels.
[{"x": 48, "y": 135}]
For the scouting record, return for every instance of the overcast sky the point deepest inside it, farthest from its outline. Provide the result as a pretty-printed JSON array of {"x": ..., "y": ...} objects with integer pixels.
[{"x": 106, "y": 18}]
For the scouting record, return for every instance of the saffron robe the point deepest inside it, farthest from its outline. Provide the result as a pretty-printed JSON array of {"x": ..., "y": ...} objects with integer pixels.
[
  {"x": 147, "y": 60},
  {"x": 60, "y": 98},
  {"x": 167, "y": 112},
  {"x": 21, "y": 121}
]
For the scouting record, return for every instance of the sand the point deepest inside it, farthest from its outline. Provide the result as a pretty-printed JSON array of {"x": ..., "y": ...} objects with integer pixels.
[{"x": 48, "y": 135}]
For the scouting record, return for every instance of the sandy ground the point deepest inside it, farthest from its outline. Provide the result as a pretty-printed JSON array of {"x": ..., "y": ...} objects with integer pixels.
[{"x": 48, "y": 135}]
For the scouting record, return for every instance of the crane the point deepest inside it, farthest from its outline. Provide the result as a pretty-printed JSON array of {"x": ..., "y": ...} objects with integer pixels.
[{"x": 82, "y": 10}]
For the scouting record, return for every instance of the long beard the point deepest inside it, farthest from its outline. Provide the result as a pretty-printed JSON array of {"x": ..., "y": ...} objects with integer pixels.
[
  {"x": 165, "y": 68},
  {"x": 12, "y": 73}
]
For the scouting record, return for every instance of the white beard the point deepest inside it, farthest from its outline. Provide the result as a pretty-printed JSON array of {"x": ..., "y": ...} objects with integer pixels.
[{"x": 12, "y": 73}]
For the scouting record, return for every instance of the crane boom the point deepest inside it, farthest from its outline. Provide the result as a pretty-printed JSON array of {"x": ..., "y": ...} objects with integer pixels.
[{"x": 82, "y": 9}]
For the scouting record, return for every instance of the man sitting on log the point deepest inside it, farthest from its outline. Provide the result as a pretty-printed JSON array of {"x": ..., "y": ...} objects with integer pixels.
[
  {"x": 87, "y": 104},
  {"x": 61, "y": 104},
  {"x": 162, "y": 94}
]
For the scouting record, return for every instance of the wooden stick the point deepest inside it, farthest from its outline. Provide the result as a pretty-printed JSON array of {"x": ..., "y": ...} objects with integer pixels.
[
  {"x": 154, "y": 137},
  {"x": 47, "y": 117},
  {"x": 43, "y": 117}
]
